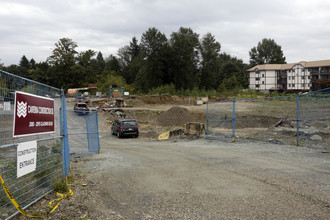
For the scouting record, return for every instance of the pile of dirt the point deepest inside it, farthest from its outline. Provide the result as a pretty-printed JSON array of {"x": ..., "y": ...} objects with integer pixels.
[{"x": 174, "y": 116}]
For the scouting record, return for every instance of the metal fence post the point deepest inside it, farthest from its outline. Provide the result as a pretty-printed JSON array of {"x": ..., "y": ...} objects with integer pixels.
[
  {"x": 65, "y": 138},
  {"x": 207, "y": 120},
  {"x": 233, "y": 124},
  {"x": 297, "y": 143},
  {"x": 98, "y": 140}
]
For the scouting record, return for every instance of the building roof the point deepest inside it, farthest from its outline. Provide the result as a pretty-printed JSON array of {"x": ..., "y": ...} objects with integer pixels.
[
  {"x": 318, "y": 63},
  {"x": 305, "y": 64}
]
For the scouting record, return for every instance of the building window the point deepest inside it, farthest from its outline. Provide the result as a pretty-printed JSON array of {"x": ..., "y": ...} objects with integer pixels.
[
  {"x": 293, "y": 70},
  {"x": 309, "y": 77},
  {"x": 257, "y": 71},
  {"x": 289, "y": 77},
  {"x": 263, "y": 75},
  {"x": 293, "y": 85},
  {"x": 263, "y": 82},
  {"x": 257, "y": 79},
  {"x": 257, "y": 86},
  {"x": 303, "y": 85},
  {"x": 293, "y": 78},
  {"x": 289, "y": 85},
  {"x": 303, "y": 77}
]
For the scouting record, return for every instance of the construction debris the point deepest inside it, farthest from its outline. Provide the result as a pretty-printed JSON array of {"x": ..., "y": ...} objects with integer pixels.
[
  {"x": 192, "y": 128},
  {"x": 195, "y": 128},
  {"x": 118, "y": 113},
  {"x": 164, "y": 136}
]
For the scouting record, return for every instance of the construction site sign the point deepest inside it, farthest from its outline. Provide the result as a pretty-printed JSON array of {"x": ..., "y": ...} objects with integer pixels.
[
  {"x": 33, "y": 114},
  {"x": 26, "y": 158}
]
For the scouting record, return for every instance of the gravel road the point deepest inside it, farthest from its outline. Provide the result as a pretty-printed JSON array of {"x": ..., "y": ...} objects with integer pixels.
[{"x": 198, "y": 179}]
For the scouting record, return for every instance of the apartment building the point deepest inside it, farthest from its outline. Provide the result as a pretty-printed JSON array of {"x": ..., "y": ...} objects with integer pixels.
[{"x": 302, "y": 76}]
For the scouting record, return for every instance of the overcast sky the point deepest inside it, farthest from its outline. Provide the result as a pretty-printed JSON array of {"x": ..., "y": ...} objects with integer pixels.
[{"x": 32, "y": 27}]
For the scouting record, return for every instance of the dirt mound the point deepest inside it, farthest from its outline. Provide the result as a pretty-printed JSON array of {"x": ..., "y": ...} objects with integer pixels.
[{"x": 173, "y": 116}]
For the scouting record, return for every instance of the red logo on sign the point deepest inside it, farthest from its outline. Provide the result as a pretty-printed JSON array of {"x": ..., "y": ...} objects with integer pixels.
[{"x": 33, "y": 114}]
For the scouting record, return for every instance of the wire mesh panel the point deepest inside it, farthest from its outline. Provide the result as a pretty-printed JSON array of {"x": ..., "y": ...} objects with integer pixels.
[
  {"x": 220, "y": 120},
  {"x": 93, "y": 132},
  {"x": 30, "y": 187},
  {"x": 83, "y": 133},
  {"x": 314, "y": 119},
  {"x": 27, "y": 188},
  {"x": 299, "y": 119},
  {"x": 269, "y": 119}
]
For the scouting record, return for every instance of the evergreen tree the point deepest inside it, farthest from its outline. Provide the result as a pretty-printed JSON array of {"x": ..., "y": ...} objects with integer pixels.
[
  {"x": 152, "y": 73},
  {"x": 184, "y": 46},
  {"x": 209, "y": 50},
  {"x": 100, "y": 63},
  {"x": 32, "y": 64},
  {"x": 24, "y": 62}
]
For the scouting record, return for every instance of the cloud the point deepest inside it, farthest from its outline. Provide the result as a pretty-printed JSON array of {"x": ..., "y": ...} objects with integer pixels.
[{"x": 32, "y": 27}]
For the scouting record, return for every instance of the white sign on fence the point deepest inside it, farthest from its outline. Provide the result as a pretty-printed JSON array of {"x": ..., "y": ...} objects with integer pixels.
[
  {"x": 26, "y": 158},
  {"x": 6, "y": 106}
]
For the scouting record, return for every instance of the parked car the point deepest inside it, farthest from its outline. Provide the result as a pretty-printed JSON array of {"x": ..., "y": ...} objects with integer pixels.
[
  {"x": 125, "y": 127},
  {"x": 81, "y": 108}
]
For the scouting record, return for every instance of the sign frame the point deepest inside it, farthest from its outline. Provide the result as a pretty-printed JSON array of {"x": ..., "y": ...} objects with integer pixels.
[{"x": 38, "y": 125}]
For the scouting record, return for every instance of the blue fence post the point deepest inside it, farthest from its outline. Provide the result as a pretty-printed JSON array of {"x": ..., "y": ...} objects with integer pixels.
[
  {"x": 88, "y": 134},
  {"x": 297, "y": 143},
  {"x": 65, "y": 138},
  {"x": 207, "y": 120},
  {"x": 233, "y": 125},
  {"x": 98, "y": 140},
  {"x": 62, "y": 138}
]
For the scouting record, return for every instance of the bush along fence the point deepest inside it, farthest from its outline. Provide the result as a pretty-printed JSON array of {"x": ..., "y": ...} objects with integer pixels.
[
  {"x": 34, "y": 154},
  {"x": 303, "y": 120}
]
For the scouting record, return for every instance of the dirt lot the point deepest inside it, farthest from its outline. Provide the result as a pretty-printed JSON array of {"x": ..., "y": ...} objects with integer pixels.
[
  {"x": 200, "y": 179},
  {"x": 187, "y": 178}
]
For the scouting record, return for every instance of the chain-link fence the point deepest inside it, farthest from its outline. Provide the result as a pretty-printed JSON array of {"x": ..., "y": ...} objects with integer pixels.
[
  {"x": 49, "y": 169},
  {"x": 83, "y": 133},
  {"x": 301, "y": 119}
]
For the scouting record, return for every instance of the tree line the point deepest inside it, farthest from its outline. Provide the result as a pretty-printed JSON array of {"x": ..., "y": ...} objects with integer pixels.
[{"x": 184, "y": 61}]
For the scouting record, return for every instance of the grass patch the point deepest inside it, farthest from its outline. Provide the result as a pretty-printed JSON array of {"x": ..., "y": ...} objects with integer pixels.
[{"x": 60, "y": 187}]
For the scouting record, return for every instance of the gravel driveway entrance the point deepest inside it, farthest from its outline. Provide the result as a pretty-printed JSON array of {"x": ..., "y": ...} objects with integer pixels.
[{"x": 197, "y": 179}]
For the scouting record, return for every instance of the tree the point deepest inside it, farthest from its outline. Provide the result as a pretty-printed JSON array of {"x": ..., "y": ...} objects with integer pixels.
[
  {"x": 24, "y": 62},
  {"x": 64, "y": 52},
  {"x": 100, "y": 63},
  {"x": 1, "y": 65},
  {"x": 184, "y": 46},
  {"x": 130, "y": 60},
  {"x": 62, "y": 62},
  {"x": 42, "y": 73},
  {"x": 209, "y": 50},
  {"x": 134, "y": 48},
  {"x": 232, "y": 72},
  {"x": 86, "y": 68},
  {"x": 267, "y": 52},
  {"x": 112, "y": 64},
  {"x": 32, "y": 64},
  {"x": 153, "y": 46},
  {"x": 18, "y": 70}
]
